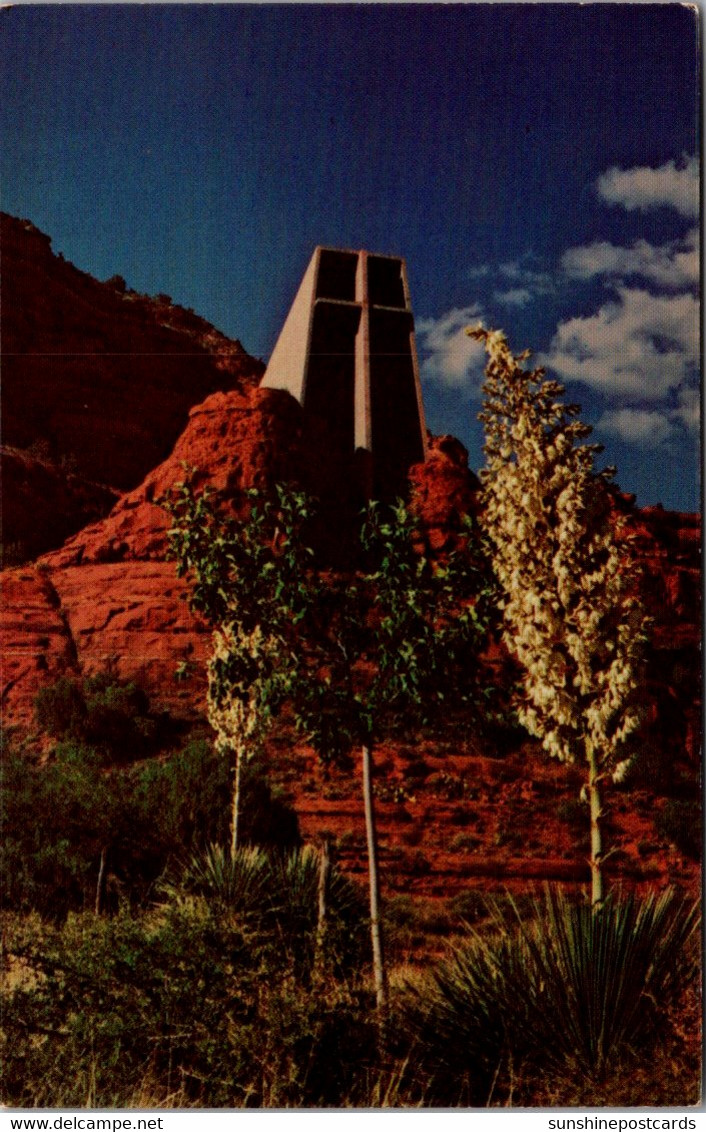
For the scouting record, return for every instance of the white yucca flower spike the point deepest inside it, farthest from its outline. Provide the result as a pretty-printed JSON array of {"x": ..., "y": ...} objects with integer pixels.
[{"x": 567, "y": 604}]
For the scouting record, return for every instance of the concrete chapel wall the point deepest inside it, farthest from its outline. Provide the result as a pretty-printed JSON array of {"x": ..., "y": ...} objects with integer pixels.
[{"x": 347, "y": 353}]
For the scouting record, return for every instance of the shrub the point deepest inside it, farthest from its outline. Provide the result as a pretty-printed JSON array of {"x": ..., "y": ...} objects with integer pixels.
[
  {"x": 112, "y": 715},
  {"x": 184, "y": 801},
  {"x": 118, "y": 717},
  {"x": 681, "y": 823},
  {"x": 120, "y": 997},
  {"x": 242, "y": 883},
  {"x": 650, "y": 769},
  {"x": 469, "y": 906},
  {"x": 569, "y": 986},
  {"x": 573, "y": 812},
  {"x": 60, "y": 708},
  {"x": 61, "y": 820},
  {"x": 185, "y": 1003},
  {"x": 464, "y": 842},
  {"x": 447, "y": 785},
  {"x": 416, "y": 773},
  {"x": 277, "y": 895},
  {"x": 297, "y": 884},
  {"x": 56, "y": 820}
]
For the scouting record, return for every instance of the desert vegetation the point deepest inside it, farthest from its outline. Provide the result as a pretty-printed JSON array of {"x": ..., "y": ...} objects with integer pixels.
[
  {"x": 351, "y": 654},
  {"x": 570, "y": 600},
  {"x": 198, "y": 977},
  {"x": 170, "y": 941},
  {"x": 144, "y": 964}
]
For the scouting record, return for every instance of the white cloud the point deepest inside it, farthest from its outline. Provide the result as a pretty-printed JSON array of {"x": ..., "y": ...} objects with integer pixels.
[
  {"x": 674, "y": 266},
  {"x": 517, "y": 282},
  {"x": 637, "y": 426},
  {"x": 527, "y": 278},
  {"x": 644, "y": 188},
  {"x": 688, "y": 411},
  {"x": 651, "y": 427},
  {"x": 640, "y": 350},
  {"x": 515, "y": 297},
  {"x": 480, "y": 271},
  {"x": 636, "y": 346},
  {"x": 452, "y": 358},
  {"x": 448, "y": 357}
]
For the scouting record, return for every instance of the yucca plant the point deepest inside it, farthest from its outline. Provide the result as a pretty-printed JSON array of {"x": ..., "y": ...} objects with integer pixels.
[
  {"x": 608, "y": 974},
  {"x": 570, "y": 604},
  {"x": 471, "y": 1018},
  {"x": 299, "y": 875},
  {"x": 278, "y": 894},
  {"x": 337, "y": 943},
  {"x": 242, "y": 882},
  {"x": 562, "y": 984}
]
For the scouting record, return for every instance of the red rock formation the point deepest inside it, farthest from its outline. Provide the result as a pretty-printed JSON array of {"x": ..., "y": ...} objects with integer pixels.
[
  {"x": 96, "y": 379},
  {"x": 120, "y": 602},
  {"x": 451, "y": 817},
  {"x": 233, "y": 441},
  {"x": 669, "y": 545},
  {"x": 452, "y": 820},
  {"x": 44, "y": 503},
  {"x": 254, "y": 438},
  {"x": 444, "y": 490},
  {"x": 36, "y": 645}
]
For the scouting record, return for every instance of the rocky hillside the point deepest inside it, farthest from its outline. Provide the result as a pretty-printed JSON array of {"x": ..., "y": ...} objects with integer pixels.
[
  {"x": 97, "y": 385},
  {"x": 108, "y": 597},
  {"x": 455, "y": 811}
]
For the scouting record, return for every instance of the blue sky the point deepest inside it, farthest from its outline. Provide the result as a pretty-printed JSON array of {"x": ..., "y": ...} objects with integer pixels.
[{"x": 535, "y": 164}]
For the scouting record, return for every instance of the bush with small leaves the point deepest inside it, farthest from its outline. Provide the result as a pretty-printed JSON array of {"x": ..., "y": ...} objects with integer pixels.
[
  {"x": 76, "y": 835},
  {"x": 681, "y": 822},
  {"x": 61, "y": 708},
  {"x": 185, "y": 1002},
  {"x": 111, "y": 715}
]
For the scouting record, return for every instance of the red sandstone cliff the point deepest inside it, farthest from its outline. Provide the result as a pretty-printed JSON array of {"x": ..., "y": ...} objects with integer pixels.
[
  {"x": 109, "y": 597},
  {"x": 452, "y": 814},
  {"x": 97, "y": 383}
]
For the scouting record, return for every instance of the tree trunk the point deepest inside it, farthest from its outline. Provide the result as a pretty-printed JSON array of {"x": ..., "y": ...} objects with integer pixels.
[
  {"x": 379, "y": 973},
  {"x": 235, "y": 810},
  {"x": 596, "y": 859},
  {"x": 100, "y": 883},
  {"x": 324, "y": 880}
]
